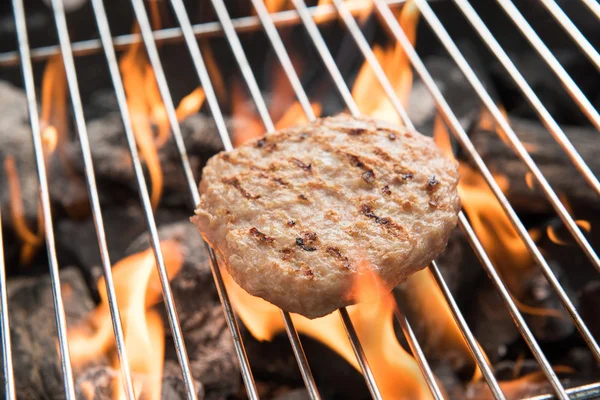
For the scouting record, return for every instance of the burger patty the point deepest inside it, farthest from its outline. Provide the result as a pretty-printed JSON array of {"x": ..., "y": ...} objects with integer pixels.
[{"x": 297, "y": 214}]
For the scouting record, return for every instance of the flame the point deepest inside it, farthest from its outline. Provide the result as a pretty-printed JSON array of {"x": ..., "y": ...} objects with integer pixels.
[
  {"x": 286, "y": 111},
  {"x": 370, "y": 97},
  {"x": 30, "y": 240},
  {"x": 138, "y": 290},
  {"x": 148, "y": 111},
  {"x": 53, "y": 118},
  {"x": 435, "y": 317},
  {"x": 396, "y": 372}
]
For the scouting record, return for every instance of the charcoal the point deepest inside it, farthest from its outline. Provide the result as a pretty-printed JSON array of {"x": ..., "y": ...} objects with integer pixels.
[
  {"x": 455, "y": 88},
  {"x": 37, "y": 369},
  {"x": 550, "y": 158},
  {"x": 15, "y": 140},
  {"x": 113, "y": 164},
  {"x": 490, "y": 321},
  {"x": 97, "y": 383},
  {"x": 296, "y": 394},
  {"x": 589, "y": 299},
  {"x": 77, "y": 241},
  {"x": 539, "y": 293}
]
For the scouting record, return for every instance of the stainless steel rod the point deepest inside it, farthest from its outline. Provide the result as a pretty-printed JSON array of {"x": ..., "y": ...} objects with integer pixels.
[
  {"x": 480, "y": 359},
  {"x": 476, "y": 351},
  {"x": 594, "y": 7},
  {"x": 342, "y": 87},
  {"x": 152, "y": 52},
  {"x": 305, "y": 371},
  {"x": 365, "y": 49},
  {"x": 418, "y": 354},
  {"x": 106, "y": 38},
  {"x": 532, "y": 98},
  {"x": 284, "y": 58},
  {"x": 61, "y": 323},
  {"x": 240, "y": 57},
  {"x": 526, "y": 334},
  {"x": 464, "y": 140},
  {"x": 7, "y": 362},
  {"x": 572, "y": 30},
  {"x": 94, "y": 198},
  {"x": 325, "y": 13},
  {"x": 200, "y": 66},
  {"x": 246, "y": 371},
  {"x": 360, "y": 354},
  {"x": 544, "y": 52},
  {"x": 585, "y": 392},
  {"x": 258, "y": 99},
  {"x": 326, "y": 57},
  {"x": 532, "y": 166}
]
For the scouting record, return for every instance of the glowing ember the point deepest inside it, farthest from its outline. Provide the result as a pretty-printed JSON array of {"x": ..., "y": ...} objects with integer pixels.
[
  {"x": 30, "y": 240},
  {"x": 138, "y": 290}
]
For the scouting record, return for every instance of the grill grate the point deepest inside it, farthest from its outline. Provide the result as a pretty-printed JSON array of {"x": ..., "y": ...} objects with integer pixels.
[{"x": 269, "y": 22}]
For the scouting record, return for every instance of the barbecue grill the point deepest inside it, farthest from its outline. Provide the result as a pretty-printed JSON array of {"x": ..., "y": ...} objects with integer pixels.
[{"x": 307, "y": 16}]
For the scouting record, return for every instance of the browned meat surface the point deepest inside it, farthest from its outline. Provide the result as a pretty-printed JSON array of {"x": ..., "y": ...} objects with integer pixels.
[{"x": 295, "y": 214}]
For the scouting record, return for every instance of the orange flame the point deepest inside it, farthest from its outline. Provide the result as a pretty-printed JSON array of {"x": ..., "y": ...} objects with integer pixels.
[
  {"x": 147, "y": 110},
  {"x": 286, "y": 111},
  {"x": 138, "y": 289},
  {"x": 368, "y": 93},
  {"x": 30, "y": 240},
  {"x": 54, "y": 119},
  {"x": 396, "y": 372}
]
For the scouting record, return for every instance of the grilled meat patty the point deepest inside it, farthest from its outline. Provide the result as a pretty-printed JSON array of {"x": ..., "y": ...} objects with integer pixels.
[{"x": 296, "y": 214}]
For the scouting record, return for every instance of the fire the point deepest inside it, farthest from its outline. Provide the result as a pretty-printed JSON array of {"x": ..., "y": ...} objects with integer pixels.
[
  {"x": 148, "y": 112},
  {"x": 286, "y": 111},
  {"x": 396, "y": 372},
  {"x": 370, "y": 97},
  {"x": 30, "y": 240},
  {"x": 54, "y": 129},
  {"x": 138, "y": 290},
  {"x": 54, "y": 119}
]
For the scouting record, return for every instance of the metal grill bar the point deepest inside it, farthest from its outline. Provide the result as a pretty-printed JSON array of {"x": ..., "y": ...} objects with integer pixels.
[
  {"x": 520, "y": 149},
  {"x": 534, "y": 101},
  {"x": 325, "y": 13},
  {"x": 61, "y": 324},
  {"x": 269, "y": 23},
  {"x": 539, "y": 46},
  {"x": 480, "y": 359},
  {"x": 593, "y": 6},
  {"x": 9, "y": 379},
  {"x": 105, "y": 36},
  {"x": 242, "y": 61},
  {"x": 462, "y": 63},
  {"x": 463, "y": 139},
  {"x": 343, "y": 89},
  {"x": 69, "y": 64},
  {"x": 211, "y": 97},
  {"x": 569, "y": 27},
  {"x": 360, "y": 354}
]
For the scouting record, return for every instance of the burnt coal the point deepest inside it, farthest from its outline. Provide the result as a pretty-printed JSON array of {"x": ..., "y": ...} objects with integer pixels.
[
  {"x": 550, "y": 158},
  {"x": 37, "y": 368}
]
